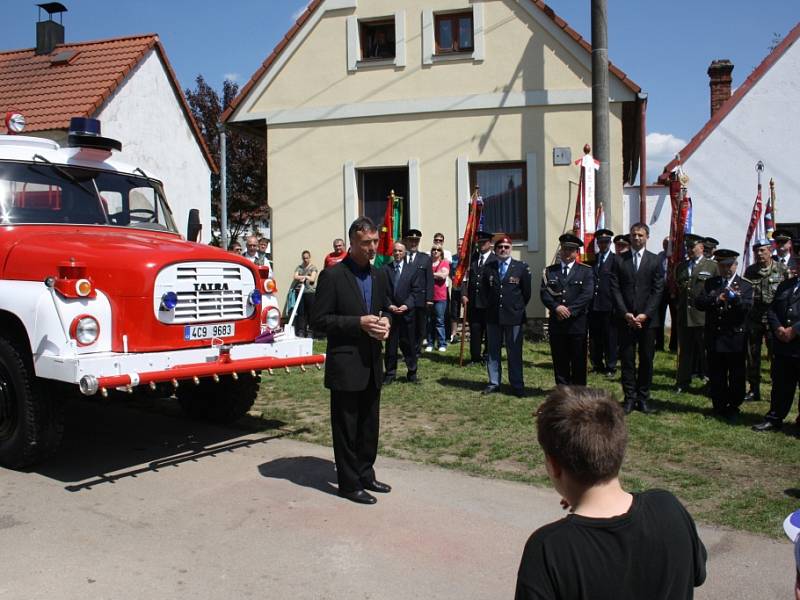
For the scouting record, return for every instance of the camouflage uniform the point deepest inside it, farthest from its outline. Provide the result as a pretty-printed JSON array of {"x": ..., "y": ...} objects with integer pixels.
[
  {"x": 691, "y": 321},
  {"x": 765, "y": 281}
]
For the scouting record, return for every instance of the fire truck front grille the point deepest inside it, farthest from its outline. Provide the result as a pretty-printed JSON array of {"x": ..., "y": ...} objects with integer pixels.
[{"x": 207, "y": 292}]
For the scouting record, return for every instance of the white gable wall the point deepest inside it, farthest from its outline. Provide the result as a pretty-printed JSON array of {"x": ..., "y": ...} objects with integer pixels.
[
  {"x": 765, "y": 125},
  {"x": 146, "y": 117}
]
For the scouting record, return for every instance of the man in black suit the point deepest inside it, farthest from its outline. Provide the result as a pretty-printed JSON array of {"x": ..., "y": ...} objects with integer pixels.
[
  {"x": 726, "y": 299},
  {"x": 602, "y": 328},
  {"x": 420, "y": 261},
  {"x": 567, "y": 290},
  {"x": 505, "y": 291},
  {"x": 476, "y": 310},
  {"x": 783, "y": 316},
  {"x": 352, "y": 300},
  {"x": 636, "y": 285},
  {"x": 406, "y": 286}
]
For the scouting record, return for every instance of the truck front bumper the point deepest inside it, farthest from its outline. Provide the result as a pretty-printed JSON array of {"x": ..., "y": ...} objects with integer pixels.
[{"x": 102, "y": 371}]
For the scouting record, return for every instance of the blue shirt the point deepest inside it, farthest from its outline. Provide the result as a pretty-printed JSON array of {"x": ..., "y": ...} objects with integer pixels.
[{"x": 363, "y": 279}]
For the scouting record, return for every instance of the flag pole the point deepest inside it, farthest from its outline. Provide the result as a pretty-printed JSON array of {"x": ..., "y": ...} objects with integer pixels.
[{"x": 472, "y": 247}]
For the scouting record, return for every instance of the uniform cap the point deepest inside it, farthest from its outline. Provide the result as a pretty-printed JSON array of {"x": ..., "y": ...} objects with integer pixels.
[
  {"x": 568, "y": 240},
  {"x": 692, "y": 238},
  {"x": 711, "y": 243},
  {"x": 483, "y": 236},
  {"x": 725, "y": 257},
  {"x": 620, "y": 239},
  {"x": 412, "y": 233},
  {"x": 781, "y": 235},
  {"x": 501, "y": 238},
  {"x": 603, "y": 234},
  {"x": 761, "y": 243},
  {"x": 627, "y": 238}
]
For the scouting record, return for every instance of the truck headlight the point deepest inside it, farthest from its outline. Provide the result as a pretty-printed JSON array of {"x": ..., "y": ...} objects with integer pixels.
[
  {"x": 273, "y": 318},
  {"x": 85, "y": 330}
]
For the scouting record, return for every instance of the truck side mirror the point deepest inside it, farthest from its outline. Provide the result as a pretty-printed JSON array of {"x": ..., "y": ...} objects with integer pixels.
[{"x": 194, "y": 226}]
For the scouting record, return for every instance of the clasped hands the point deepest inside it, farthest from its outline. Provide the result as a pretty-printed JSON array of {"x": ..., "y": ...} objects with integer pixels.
[
  {"x": 375, "y": 326},
  {"x": 398, "y": 310},
  {"x": 635, "y": 322},
  {"x": 785, "y": 334}
]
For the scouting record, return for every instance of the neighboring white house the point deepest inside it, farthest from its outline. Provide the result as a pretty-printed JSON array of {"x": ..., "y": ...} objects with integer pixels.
[
  {"x": 759, "y": 122},
  {"x": 129, "y": 85}
]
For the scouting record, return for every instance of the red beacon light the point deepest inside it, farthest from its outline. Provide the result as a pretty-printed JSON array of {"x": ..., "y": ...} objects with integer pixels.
[
  {"x": 15, "y": 122},
  {"x": 72, "y": 281}
]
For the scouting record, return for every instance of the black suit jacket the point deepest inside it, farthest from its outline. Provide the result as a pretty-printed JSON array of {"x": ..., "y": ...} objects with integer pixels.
[
  {"x": 575, "y": 292},
  {"x": 726, "y": 322},
  {"x": 637, "y": 291},
  {"x": 474, "y": 279},
  {"x": 506, "y": 298},
  {"x": 422, "y": 263},
  {"x": 603, "y": 300},
  {"x": 408, "y": 289},
  {"x": 785, "y": 312},
  {"x": 352, "y": 356}
]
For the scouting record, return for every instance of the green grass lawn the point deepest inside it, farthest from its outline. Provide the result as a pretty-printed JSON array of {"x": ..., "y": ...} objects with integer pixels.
[{"x": 725, "y": 473}]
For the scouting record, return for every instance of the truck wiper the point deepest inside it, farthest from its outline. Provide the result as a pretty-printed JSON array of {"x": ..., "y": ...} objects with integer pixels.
[{"x": 65, "y": 174}]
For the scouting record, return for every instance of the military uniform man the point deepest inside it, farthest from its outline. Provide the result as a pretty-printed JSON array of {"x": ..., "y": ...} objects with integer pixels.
[
  {"x": 476, "y": 310},
  {"x": 783, "y": 248},
  {"x": 766, "y": 275},
  {"x": 726, "y": 298},
  {"x": 709, "y": 247},
  {"x": 690, "y": 276},
  {"x": 783, "y": 316},
  {"x": 602, "y": 329},
  {"x": 506, "y": 291},
  {"x": 567, "y": 290}
]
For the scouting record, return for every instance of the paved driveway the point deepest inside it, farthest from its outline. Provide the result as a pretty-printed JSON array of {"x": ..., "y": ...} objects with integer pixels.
[{"x": 147, "y": 505}]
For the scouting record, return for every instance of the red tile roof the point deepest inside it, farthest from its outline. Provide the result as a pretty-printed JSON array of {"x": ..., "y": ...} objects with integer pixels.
[
  {"x": 315, "y": 4},
  {"x": 49, "y": 93},
  {"x": 731, "y": 102}
]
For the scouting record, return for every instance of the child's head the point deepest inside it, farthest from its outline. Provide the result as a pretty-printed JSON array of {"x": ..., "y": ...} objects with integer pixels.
[{"x": 583, "y": 431}]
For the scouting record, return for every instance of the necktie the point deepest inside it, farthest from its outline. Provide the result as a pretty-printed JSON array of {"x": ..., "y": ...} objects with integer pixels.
[
  {"x": 602, "y": 260},
  {"x": 396, "y": 273},
  {"x": 635, "y": 261},
  {"x": 691, "y": 267},
  {"x": 480, "y": 261},
  {"x": 503, "y": 269},
  {"x": 564, "y": 270}
]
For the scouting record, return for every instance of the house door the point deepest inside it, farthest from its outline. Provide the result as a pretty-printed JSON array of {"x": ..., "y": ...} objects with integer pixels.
[{"x": 375, "y": 185}]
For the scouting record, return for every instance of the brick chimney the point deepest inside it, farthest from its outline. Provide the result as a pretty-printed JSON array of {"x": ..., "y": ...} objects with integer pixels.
[{"x": 720, "y": 79}]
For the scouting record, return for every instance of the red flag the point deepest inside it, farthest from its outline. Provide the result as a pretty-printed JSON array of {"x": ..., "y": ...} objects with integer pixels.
[
  {"x": 470, "y": 231},
  {"x": 385, "y": 241},
  {"x": 755, "y": 228},
  {"x": 681, "y": 209}
]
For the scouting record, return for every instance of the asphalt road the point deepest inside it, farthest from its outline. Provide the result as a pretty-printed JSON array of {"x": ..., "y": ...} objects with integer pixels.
[{"x": 147, "y": 505}]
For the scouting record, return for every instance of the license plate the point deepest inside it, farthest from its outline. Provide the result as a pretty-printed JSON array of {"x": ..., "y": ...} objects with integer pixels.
[{"x": 206, "y": 332}]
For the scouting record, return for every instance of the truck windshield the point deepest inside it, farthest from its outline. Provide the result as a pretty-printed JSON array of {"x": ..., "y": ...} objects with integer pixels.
[{"x": 49, "y": 193}]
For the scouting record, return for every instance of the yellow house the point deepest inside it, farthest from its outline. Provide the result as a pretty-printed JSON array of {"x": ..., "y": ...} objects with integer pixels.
[{"x": 428, "y": 98}]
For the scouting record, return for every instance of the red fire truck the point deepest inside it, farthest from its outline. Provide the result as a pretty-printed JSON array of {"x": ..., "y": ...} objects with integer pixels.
[{"x": 99, "y": 292}]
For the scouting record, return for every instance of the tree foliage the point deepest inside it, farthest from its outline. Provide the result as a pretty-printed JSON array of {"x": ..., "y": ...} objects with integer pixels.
[{"x": 247, "y": 161}]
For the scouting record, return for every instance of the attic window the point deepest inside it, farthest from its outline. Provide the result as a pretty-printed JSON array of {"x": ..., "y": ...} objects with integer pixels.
[
  {"x": 454, "y": 32},
  {"x": 64, "y": 57},
  {"x": 377, "y": 39}
]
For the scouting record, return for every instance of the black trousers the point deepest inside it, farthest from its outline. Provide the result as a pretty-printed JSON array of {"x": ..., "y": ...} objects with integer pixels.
[
  {"x": 785, "y": 372},
  {"x": 569, "y": 358},
  {"x": 603, "y": 347},
  {"x": 304, "y": 314},
  {"x": 636, "y": 382},
  {"x": 402, "y": 336},
  {"x": 477, "y": 333},
  {"x": 354, "y": 422},
  {"x": 420, "y": 326},
  {"x": 692, "y": 351},
  {"x": 727, "y": 379}
]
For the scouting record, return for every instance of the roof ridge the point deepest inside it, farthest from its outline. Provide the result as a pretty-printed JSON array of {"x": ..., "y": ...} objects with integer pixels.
[
  {"x": 727, "y": 107},
  {"x": 86, "y": 43}
]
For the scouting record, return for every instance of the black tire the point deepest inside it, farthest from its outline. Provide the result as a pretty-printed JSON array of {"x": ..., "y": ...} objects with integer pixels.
[
  {"x": 223, "y": 402},
  {"x": 31, "y": 420}
]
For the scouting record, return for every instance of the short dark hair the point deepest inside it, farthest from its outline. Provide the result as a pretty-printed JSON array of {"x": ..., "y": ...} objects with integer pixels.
[
  {"x": 584, "y": 431},
  {"x": 641, "y": 226},
  {"x": 361, "y": 224}
]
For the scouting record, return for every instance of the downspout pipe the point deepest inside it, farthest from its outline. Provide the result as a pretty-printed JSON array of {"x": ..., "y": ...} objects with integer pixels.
[{"x": 642, "y": 98}]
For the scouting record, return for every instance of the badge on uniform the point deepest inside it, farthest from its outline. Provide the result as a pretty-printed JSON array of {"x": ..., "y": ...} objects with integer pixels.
[{"x": 513, "y": 280}]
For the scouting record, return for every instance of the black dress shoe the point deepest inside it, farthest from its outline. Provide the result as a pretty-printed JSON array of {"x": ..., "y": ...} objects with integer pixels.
[
  {"x": 491, "y": 389},
  {"x": 519, "y": 392},
  {"x": 388, "y": 380},
  {"x": 377, "y": 486},
  {"x": 767, "y": 425},
  {"x": 412, "y": 378},
  {"x": 752, "y": 396},
  {"x": 646, "y": 409},
  {"x": 627, "y": 407},
  {"x": 358, "y": 496}
]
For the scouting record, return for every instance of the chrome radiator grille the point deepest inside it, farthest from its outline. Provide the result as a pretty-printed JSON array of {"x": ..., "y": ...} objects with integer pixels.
[{"x": 206, "y": 292}]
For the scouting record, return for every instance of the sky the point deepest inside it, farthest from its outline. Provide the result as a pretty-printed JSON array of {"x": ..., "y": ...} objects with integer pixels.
[{"x": 665, "y": 47}]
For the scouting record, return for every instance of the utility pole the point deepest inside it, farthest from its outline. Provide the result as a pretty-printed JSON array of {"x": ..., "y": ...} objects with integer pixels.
[
  {"x": 600, "y": 94},
  {"x": 223, "y": 187}
]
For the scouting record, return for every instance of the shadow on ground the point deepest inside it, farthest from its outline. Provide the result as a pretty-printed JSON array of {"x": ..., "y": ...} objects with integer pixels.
[
  {"x": 306, "y": 471},
  {"x": 105, "y": 441}
]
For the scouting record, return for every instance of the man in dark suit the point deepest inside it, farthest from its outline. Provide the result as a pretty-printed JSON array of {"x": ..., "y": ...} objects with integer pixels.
[
  {"x": 505, "y": 291},
  {"x": 636, "y": 285},
  {"x": 420, "y": 261},
  {"x": 406, "y": 286},
  {"x": 726, "y": 299},
  {"x": 783, "y": 248},
  {"x": 352, "y": 300},
  {"x": 784, "y": 320},
  {"x": 602, "y": 328},
  {"x": 567, "y": 290},
  {"x": 476, "y": 310}
]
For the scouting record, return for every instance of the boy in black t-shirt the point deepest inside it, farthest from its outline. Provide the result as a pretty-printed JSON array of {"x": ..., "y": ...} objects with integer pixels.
[{"x": 613, "y": 544}]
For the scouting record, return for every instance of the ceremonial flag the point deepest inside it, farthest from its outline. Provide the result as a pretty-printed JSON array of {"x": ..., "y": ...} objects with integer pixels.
[
  {"x": 769, "y": 211},
  {"x": 755, "y": 229},
  {"x": 389, "y": 230},
  {"x": 474, "y": 220},
  {"x": 584, "y": 224},
  {"x": 680, "y": 224}
]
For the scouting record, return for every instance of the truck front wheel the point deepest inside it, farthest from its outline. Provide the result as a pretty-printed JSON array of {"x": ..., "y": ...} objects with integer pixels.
[
  {"x": 31, "y": 422},
  {"x": 223, "y": 402}
]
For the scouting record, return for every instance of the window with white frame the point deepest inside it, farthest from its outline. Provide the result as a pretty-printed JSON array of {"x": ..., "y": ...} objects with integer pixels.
[
  {"x": 377, "y": 39},
  {"x": 376, "y": 42},
  {"x": 453, "y": 35},
  {"x": 453, "y": 32},
  {"x": 503, "y": 187}
]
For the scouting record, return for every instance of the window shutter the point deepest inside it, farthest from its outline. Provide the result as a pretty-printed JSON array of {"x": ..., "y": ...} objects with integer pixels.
[
  {"x": 414, "y": 200},
  {"x": 400, "y": 38},
  {"x": 463, "y": 192},
  {"x": 353, "y": 43},
  {"x": 427, "y": 37},
  {"x": 533, "y": 202},
  {"x": 479, "y": 51},
  {"x": 350, "y": 194}
]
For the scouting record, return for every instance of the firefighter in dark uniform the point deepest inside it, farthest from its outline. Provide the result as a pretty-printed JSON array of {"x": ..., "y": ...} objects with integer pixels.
[
  {"x": 476, "y": 311},
  {"x": 783, "y": 316},
  {"x": 690, "y": 277},
  {"x": 766, "y": 275},
  {"x": 506, "y": 291},
  {"x": 602, "y": 328},
  {"x": 783, "y": 248},
  {"x": 726, "y": 298},
  {"x": 567, "y": 291}
]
